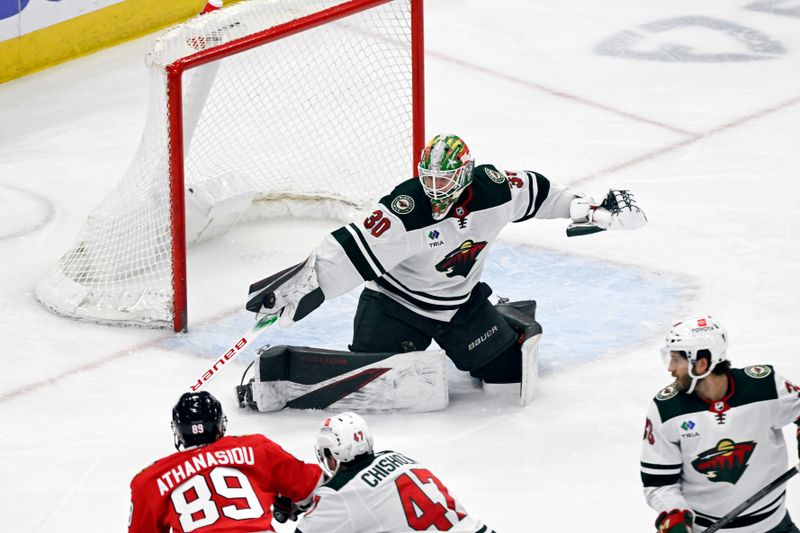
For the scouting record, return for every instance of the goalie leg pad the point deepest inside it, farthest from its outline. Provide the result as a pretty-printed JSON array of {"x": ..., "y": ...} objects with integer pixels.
[
  {"x": 526, "y": 386},
  {"x": 521, "y": 317},
  {"x": 530, "y": 369},
  {"x": 311, "y": 378}
]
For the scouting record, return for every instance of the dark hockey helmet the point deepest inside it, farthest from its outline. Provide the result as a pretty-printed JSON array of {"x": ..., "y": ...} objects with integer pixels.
[{"x": 197, "y": 419}]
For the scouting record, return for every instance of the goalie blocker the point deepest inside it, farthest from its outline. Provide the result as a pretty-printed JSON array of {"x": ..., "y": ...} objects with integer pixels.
[{"x": 414, "y": 381}]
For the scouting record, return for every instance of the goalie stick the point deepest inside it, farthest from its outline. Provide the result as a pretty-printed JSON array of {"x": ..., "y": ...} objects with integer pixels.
[
  {"x": 245, "y": 340},
  {"x": 780, "y": 480},
  {"x": 576, "y": 230}
]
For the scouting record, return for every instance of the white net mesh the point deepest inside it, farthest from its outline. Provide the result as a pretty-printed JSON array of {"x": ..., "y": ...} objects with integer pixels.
[{"x": 318, "y": 123}]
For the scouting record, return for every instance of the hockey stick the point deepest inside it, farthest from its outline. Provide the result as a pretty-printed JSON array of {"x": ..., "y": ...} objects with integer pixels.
[
  {"x": 576, "y": 230},
  {"x": 245, "y": 340},
  {"x": 263, "y": 297},
  {"x": 780, "y": 480}
]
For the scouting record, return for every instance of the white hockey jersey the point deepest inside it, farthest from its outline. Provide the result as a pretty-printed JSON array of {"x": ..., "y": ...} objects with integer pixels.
[
  {"x": 710, "y": 457},
  {"x": 431, "y": 266},
  {"x": 387, "y": 493}
]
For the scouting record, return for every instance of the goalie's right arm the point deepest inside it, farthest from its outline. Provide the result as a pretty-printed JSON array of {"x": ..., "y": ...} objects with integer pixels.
[{"x": 344, "y": 259}]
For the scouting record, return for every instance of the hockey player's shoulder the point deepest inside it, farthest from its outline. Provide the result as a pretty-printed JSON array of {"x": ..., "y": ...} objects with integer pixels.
[
  {"x": 671, "y": 402},
  {"x": 341, "y": 479},
  {"x": 143, "y": 476},
  {"x": 153, "y": 470},
  {"x": 408, "y": 203},
  {"x": 754, "y": 383},
  {"x": 491, "y": 185},
  {"x": 667, "y": 393},
  {"x": 756, "y": 371},
  {"x": 489, "y": 174},
  {"x": 249, "y": 439},
  {"x": 258, "y": 442}
]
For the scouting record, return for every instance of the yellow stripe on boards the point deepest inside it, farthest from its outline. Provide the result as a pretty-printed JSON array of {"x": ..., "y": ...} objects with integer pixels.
[{"x": 90, "y": 32}]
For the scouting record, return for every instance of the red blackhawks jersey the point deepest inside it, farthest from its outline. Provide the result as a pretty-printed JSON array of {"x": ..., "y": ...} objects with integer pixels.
[
  {"x": 225, "y": 486},
  {"x": 710, "y": 457},
  {"x": 386, "y": 493},
  {"x": 431, "y": 266}
]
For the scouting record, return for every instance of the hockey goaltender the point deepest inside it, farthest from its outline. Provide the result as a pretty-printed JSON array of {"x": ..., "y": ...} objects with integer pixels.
[{"x": 420, "y": 253}]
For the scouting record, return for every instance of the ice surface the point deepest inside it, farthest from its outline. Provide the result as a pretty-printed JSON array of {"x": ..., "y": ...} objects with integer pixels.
[{"x": 694, "y": 107}]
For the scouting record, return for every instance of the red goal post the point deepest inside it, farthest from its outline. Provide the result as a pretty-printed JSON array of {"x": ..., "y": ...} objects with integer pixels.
[{"x": 250, "y": 127}]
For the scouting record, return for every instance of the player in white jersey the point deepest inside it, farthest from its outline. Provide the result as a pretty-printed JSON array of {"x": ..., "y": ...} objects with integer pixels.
[
  {"x": 713, "y": 438},
  {"x": 421, "y": 252},
  {"x": 383, "y": 492}
]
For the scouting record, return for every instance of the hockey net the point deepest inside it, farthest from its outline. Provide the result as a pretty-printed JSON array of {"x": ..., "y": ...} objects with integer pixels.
[{"x": 263, "y": 108}]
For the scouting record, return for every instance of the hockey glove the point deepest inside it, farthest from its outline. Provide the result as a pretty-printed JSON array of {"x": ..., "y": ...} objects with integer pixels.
[
  {"x": 617, "y": 211},
  {"x": 284, "y": 509},
  {"x": 675, "y": 521},
  {"x": 293, "y": 293}
]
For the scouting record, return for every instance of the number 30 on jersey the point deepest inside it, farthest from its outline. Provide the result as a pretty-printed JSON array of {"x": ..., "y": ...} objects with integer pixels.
[{"x": 377, "y": 223}]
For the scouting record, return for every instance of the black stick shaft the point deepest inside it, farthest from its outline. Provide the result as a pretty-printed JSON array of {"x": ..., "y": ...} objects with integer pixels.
[{"x": 780, "y": 480}]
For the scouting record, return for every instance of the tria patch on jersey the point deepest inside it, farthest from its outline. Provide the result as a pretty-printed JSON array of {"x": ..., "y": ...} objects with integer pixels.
[
  {"x": 433, "y": 237},
  {"x": 758, "y": 371},
  {"x": 726, "y": 462},
  {"x": 670, "y": 391},
  {"x": 403, "y": 204},
  {"x": 688, "y": 429},
  {"x": 495, "y": 176},
  {"x": 461, "y": 260}
]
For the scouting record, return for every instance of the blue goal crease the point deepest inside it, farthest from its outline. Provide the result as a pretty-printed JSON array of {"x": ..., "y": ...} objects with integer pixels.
[{"x": 588, "y": 309}]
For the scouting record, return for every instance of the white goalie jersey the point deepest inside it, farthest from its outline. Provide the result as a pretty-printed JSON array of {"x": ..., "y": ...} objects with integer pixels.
[
  {"x": 710, "y": 457},
  {"x": 386, "y": 493},
  {"x": 431, "y": 266}
]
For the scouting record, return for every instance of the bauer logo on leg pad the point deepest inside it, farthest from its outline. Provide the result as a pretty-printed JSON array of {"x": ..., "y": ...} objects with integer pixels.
[{"x": 483, "y": 338}]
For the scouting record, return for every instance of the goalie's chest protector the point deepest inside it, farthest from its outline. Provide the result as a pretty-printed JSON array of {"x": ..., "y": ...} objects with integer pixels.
[
  {"x": 721, "y": 452},
  {"x": 432, "y": 266}
]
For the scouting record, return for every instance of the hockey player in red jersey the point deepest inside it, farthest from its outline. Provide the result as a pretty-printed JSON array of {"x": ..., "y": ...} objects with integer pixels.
[
  {"x": 713, "y": 438},
  {"x": 215, "y": 483},
  {"x": 422, "y": 251},
  {"x": 383, "y": 492}
]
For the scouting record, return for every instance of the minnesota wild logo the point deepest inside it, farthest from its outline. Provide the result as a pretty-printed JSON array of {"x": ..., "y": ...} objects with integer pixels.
[
  {"x": 670, "y": 391},
  {"x": 403, "y": 204},
  {"x": 758, "y": 371},
  {"x": 461, "y": 260},
  {"x": 495, "y": 176},
  {"x": 726, "y": 462}
]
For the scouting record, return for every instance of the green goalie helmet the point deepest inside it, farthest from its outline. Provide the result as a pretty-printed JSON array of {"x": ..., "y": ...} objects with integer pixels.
[{"x": 445, "y": 169}]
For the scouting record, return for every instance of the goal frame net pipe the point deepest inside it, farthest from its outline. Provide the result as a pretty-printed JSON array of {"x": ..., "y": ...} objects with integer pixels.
[{"x": 175, "y": 71}]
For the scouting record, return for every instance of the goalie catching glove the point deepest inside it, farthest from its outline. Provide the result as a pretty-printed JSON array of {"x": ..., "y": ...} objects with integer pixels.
[
  {"x": 293, "y": 293},
  {"x": 617, "y": 211}
]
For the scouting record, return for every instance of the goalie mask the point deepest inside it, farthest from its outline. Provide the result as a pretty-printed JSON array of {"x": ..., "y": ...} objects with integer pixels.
[
  {"x": 343, "y": 437},
  {"x": 197, "y": 419},
  {"x": 697, "y": 337},
  {"x": 445, "y": 169}
]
